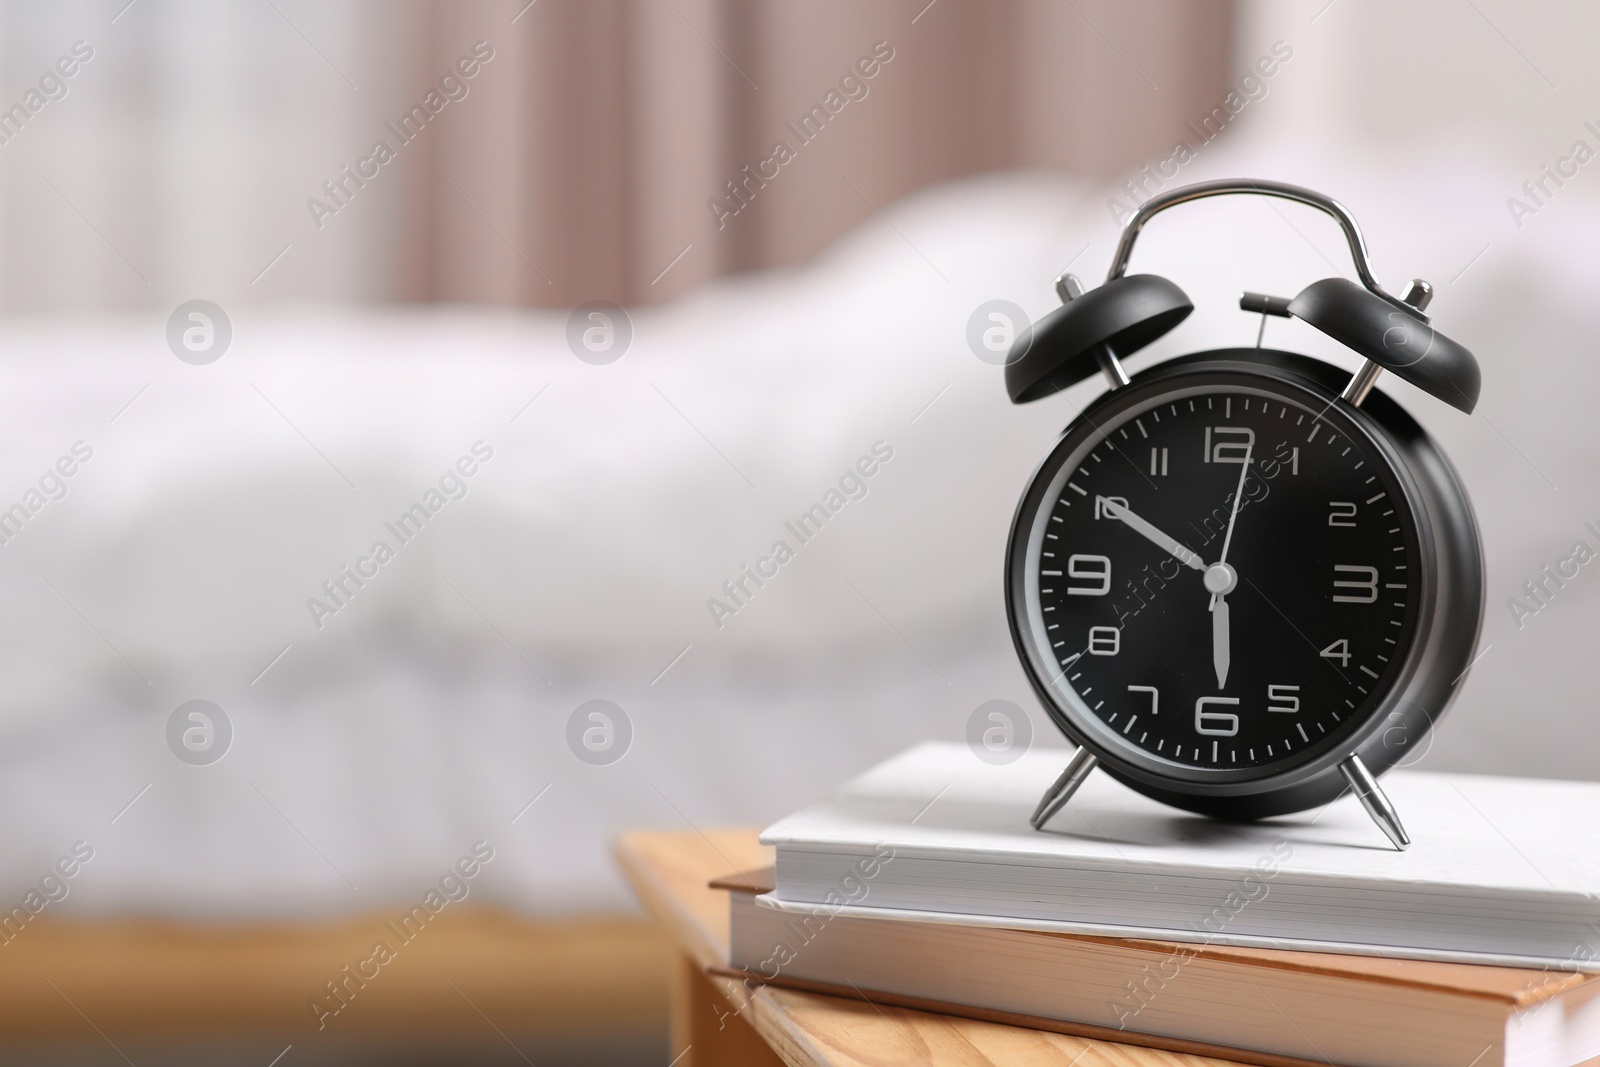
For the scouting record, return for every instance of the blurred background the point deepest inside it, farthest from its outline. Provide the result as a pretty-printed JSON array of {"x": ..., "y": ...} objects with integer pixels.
[{"x": 399, "y": 217}]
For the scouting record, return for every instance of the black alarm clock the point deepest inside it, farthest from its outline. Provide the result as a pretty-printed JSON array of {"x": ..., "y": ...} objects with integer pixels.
[{"x": 1243, "y": 581}]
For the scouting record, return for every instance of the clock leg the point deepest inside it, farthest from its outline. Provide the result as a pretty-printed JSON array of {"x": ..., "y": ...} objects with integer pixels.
[
  {"x": 1374, "y": 800},
  {"x": 1055, "y": 798}
]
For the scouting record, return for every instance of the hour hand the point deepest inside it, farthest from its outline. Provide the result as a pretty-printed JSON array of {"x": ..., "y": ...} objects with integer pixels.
[
  {"x": 1219, "y": 638},
  {"x": 1120, "y": 511}
]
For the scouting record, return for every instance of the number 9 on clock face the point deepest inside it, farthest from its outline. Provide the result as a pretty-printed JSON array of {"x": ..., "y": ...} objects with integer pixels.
[{"x": 1219, "y": 578}]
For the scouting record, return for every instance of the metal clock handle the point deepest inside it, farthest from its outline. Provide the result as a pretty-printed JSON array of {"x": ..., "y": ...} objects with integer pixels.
[
  {"x": 1417, "y": 294},
  {"x": 1234, "y": 186}
]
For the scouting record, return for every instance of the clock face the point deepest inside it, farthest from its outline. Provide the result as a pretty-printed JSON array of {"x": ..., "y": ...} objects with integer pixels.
[{"x": 1219, "y": 577}]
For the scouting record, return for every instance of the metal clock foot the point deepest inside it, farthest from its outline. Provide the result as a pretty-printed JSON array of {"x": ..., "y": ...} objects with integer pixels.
[
  {"x": 1374, "y": 800},
  {"x": 1055, "y": 798}
]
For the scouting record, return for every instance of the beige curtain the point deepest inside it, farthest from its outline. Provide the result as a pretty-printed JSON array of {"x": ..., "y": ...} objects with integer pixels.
[{"x": 588, "y": 159}]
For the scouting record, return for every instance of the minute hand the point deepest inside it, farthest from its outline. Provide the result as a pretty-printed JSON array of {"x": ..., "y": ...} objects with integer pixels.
[{"x": 1120, "y": 511}]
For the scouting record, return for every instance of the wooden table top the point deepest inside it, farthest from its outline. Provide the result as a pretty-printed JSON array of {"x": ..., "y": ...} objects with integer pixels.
[{"x": 670, "y": 872}]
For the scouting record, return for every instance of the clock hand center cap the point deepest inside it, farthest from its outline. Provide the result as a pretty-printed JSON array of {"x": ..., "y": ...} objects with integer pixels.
[{"x": 1220, "y": 579}]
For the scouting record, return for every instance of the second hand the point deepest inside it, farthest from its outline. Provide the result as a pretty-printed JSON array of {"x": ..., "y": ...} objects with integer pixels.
[{"x": 1238, "y": 496}]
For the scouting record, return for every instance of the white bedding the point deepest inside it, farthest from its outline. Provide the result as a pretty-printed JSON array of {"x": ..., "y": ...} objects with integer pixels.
[{"x": 428, "y": 711}]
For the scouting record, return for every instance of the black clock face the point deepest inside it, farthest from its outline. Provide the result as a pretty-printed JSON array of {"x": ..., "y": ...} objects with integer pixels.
[{"x": 1202, "y": 638}]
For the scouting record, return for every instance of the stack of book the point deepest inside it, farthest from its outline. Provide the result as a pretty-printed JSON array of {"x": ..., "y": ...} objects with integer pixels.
[{"x": 1299, "y": 939}]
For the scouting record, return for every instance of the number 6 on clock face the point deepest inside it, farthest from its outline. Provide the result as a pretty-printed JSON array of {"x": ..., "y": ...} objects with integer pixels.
[{"x": 1218, "y": 723}]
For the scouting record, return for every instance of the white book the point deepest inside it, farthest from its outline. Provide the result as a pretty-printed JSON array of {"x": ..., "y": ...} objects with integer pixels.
[
  {"x": 1501, "y": 870},
  {"x": 1259, "y": 1006}
]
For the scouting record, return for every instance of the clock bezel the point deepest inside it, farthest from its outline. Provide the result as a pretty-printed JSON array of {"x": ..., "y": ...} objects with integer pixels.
[{"x": 1425, "y": 481}]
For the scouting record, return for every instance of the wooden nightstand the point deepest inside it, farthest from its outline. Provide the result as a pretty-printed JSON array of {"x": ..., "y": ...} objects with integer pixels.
[{"x": 716, "y": 1023}]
